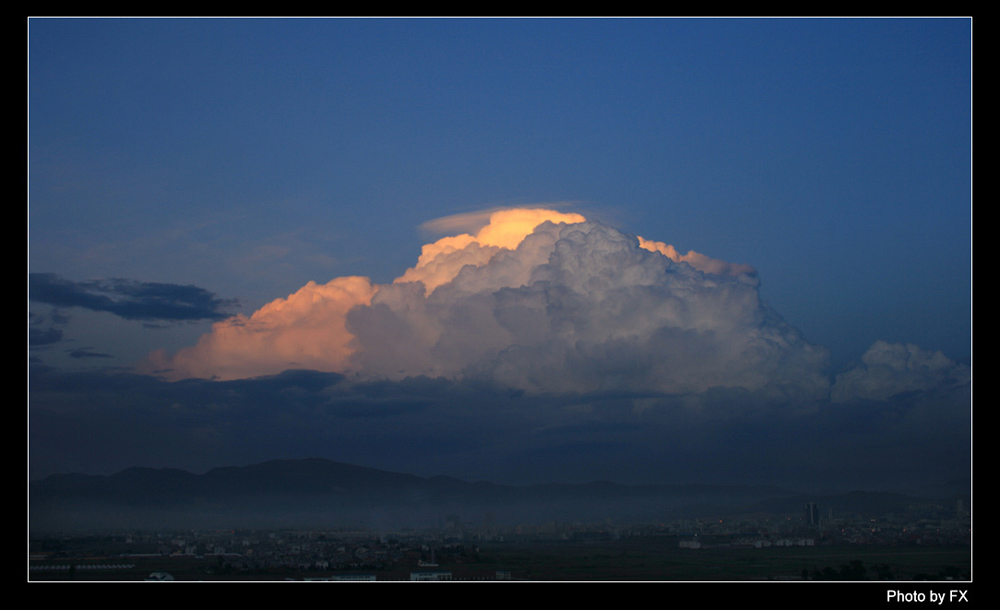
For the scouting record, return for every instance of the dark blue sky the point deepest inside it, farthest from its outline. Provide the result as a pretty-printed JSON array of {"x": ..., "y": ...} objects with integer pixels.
[{"x": 238, "y": 159}]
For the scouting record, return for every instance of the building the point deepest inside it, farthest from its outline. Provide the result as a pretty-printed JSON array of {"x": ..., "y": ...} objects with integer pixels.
[
  {"x": 430, "y": 575},
  {"x": 812, "y": 514}
]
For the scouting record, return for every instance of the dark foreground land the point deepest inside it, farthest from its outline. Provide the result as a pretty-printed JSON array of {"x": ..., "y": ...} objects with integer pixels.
[
  {"x": 626, "y": 559},
  {"x": 647, "y": 559}
]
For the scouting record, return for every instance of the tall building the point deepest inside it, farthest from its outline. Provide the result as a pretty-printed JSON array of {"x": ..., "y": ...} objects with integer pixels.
[{"x": 812, "y": 513}]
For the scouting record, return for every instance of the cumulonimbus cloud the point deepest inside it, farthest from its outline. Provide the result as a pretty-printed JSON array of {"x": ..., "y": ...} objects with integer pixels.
[
  {"x": 893, "y": 369},
  {"x": 537, "y": 299}
]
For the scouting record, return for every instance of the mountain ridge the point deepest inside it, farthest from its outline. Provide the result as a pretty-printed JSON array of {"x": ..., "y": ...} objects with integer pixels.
[{"x": 317, "y": 491}]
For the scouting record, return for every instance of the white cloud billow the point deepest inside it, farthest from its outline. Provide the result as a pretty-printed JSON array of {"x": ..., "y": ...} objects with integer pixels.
[
  {"x": 547, "y": 301},
  {"x": 581, "y": 307},
  {"x": 889, "y": 369}
]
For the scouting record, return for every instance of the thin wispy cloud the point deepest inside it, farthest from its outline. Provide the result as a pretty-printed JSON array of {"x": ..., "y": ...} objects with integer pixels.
[{"x": 85, "y": 352}]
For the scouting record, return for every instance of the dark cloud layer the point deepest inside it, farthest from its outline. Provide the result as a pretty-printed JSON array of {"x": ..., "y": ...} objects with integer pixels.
[
  {"x": 129, "y": 299},
  {"x": 44, "y": 330},
  {"x": 84, "y": 352},
  {"x": 101, "y": 422},
  {"x": 38, "y": 337}
]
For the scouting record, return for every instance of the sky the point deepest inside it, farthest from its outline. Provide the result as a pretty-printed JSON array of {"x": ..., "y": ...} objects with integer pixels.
[{"x": 520, "y": 250}]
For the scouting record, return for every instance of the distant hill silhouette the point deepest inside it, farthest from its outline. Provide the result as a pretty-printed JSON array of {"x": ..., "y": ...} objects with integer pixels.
[{"x": 323, "y": 493}]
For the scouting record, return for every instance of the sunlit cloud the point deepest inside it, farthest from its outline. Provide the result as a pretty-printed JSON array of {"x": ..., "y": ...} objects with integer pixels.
[
  {"x": 473, "y": 222},
  {"x": 535, "y": 299},
  {"x": 547, "y": 301},
  {"x": 441, "y": 261},
  {"x": 304, "y": 330},
  {"x": 696, "y": 260},
  {"x": 580, "y": 306}
]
